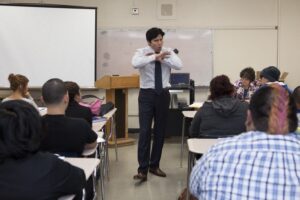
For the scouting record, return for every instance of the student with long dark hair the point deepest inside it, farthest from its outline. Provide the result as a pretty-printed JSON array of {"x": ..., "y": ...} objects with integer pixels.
[{"x": 74, "y": 109}]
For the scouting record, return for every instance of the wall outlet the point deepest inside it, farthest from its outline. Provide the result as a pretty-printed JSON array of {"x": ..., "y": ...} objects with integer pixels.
[{"x": 135, "y": 11}]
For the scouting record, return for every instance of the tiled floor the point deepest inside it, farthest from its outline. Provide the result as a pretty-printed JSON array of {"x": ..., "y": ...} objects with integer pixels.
[{"x": 122, "y": 186}]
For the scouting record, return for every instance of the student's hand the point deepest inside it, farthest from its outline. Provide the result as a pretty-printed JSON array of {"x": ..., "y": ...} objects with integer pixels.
[{"x": 27, "y": 95}]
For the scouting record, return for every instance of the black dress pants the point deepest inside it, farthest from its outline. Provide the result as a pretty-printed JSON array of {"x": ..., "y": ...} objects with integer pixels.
[{"x": 152, "y": 106}]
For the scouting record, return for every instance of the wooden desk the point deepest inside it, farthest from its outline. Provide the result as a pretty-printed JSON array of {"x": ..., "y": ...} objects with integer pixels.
[
  {"x": 186, "y": 114},
  {"x": 196, "y": 146},
  {"x": 87, "y": 164}
]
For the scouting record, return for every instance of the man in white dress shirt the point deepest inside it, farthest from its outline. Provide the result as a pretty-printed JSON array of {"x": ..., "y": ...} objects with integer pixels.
[{"x": 154, "y": 63}]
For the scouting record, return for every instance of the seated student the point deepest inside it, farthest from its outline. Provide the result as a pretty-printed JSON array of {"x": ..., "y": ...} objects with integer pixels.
[
  {"x": 296, "y": 96},
  {"x": 222, "y": 115},
  {"x": 271, "y": 75},
  {"x": 74, "y": 109},
  {"x": 26, "y": 173},
  {"x": 262, "y": 163},
  {"x": 247, "y": 85},
  {"x": 19, "y": 86},
  {"x": 63, "y": 135}
]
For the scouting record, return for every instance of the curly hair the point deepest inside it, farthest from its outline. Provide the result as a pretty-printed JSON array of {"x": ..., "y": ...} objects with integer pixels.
[
  {"x": 20, "y": 129},
  {"x": 17, "y": 81},
  {"x": 273, "y": 110},
  {"x": 220, "y": 86},
  {"x": 248, "y": 73}
]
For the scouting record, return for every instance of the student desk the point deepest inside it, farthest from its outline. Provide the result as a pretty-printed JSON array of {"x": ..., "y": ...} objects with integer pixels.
[
  {"x": 98, "y": 125},
  {"x": 87, "y": 164},
  {"x": 43, "y": 111},
  {"x": 186, "y": 114}
]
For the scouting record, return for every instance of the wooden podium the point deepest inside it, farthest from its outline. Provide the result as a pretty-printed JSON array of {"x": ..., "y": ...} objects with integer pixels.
[{"x": 117, "y": 92}]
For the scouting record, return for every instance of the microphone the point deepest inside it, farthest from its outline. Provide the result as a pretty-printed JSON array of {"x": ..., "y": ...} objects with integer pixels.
[{"x": 175, "y": 51}]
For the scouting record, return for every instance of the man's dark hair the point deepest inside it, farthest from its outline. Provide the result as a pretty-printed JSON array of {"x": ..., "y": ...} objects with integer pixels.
[
  {"x": 20, "y": 129},
  {"x": 73, "y": 89},
  {"x": 296, "y": 95},
  {"x": 220, "y": 86},
  {"x": 273, "y": 110},
  {"x": 153, "y": 33},
  {"x": 248, "y": 73},
  {"x": 53, "y": 91}
]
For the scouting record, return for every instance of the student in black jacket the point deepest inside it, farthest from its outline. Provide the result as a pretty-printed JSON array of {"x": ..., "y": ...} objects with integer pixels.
[
  {"x": 26, "y": 173},
  {"x": 221, "y": 115},
  {"x": 74, "y": 109}
]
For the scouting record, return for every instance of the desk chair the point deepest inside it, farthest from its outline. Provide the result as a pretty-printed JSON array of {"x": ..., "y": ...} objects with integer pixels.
[
  {"x": 103, "y": 166},
  {"x": 110, "y": 116},
  {"x": 87, "y": 164},
  {"x": 196, "y": 146},
  {"x": 102, "y": 141},
  {"x": 186, "y": 114},
  {"x": 67, "y": 197},
  {"x": 92, "y": 153}
]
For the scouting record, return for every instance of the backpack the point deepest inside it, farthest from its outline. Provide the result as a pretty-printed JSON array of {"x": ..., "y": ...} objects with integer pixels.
[
  {"x": 92, "y": 102},
  {"x": 105, "y": 108}
]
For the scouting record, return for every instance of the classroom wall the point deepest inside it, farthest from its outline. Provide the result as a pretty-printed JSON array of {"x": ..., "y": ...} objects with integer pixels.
[{"x": 244, "y": 32}]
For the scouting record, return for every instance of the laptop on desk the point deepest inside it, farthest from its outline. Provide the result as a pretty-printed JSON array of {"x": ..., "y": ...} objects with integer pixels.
[{"x": 180, "y": 80}]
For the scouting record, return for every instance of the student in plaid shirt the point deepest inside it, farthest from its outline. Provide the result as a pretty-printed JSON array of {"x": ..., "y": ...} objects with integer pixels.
[
  {"x": 247, "y": 85},
  {"x": 260, "y": 164}
]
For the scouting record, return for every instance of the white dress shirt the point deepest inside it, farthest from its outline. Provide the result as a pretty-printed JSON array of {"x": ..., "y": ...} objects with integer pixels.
[{"x": 144, "y": 60}]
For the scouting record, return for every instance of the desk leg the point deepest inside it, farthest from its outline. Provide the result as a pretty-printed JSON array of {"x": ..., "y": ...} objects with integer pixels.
[
  {"x": 101, "y": 168},
  {"x": 182, "y": 139},
  {"x": 189, "y": 169},
  {"x": 114, "y": 131}
]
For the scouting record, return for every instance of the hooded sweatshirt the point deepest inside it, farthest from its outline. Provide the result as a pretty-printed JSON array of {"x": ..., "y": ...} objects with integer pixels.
[{"x": 223, "y": 117}]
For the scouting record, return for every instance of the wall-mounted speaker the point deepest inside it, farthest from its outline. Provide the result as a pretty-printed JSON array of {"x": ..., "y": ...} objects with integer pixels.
[{"x": 166, "y": 9}]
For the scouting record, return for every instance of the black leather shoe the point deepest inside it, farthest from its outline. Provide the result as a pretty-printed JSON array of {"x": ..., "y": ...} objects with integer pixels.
[
  {"x": 157, "y": 172},
  {"x": 140, "y": 176}
]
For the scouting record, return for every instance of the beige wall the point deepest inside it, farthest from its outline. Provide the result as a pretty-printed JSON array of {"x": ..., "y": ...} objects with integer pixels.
[
  {"x": 244, "y": 32},
  {"x": 289, "y": 40}
]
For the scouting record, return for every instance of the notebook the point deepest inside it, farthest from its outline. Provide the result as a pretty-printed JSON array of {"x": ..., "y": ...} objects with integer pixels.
[{"x": 180, "y": 80}]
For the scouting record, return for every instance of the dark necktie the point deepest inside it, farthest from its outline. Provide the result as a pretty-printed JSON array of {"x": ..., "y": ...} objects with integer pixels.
[{"x": 158, "y": 77}]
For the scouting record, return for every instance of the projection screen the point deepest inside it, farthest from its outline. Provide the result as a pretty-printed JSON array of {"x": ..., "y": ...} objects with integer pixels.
[{"x": 43, "y": 42}]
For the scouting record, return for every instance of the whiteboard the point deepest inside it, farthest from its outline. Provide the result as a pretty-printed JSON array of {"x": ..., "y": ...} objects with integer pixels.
[
  {"x": 115, "y": 48},
  {"x": 48, "y": 42}
]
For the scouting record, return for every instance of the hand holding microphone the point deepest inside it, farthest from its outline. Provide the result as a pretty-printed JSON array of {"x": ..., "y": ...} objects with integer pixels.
[{"x": 162, "y": 55}]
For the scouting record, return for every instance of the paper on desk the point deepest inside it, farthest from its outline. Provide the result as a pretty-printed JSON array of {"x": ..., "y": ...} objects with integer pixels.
[
  {"x": 99, "y": 119},
  {"x": 196, "y": 105}
]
